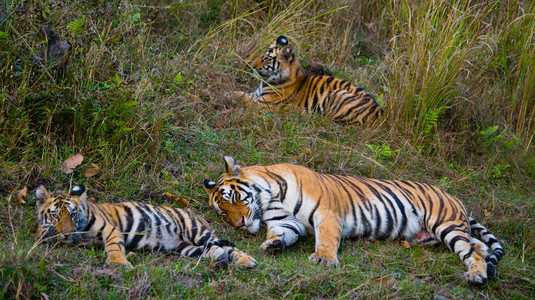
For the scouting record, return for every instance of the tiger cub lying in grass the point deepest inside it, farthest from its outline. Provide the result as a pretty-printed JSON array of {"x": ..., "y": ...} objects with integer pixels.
[
  {"x": 284, "y": 81},
  {"x": 71, "y": 218},
  {"x": 294, "y": 201}
]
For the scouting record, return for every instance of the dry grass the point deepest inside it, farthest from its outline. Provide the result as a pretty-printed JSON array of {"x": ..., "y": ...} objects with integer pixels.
[{"x": 147, "y": 97}]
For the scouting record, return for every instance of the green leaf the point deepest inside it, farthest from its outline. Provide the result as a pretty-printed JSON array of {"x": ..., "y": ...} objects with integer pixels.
[
  {"x": 178, "y": 78},
  {"x": 3, "y": 35},
  {"x": 117, "y": 79},
  {"x": 77, "y": 27}
]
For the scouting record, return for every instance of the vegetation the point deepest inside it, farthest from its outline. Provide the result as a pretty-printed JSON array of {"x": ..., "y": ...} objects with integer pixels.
[{"x": 147, "y": 96}]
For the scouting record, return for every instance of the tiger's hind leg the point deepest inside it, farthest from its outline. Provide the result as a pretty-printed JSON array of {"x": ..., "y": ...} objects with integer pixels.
[
  {"x": 356, "y": 108},
  {"x": 457, "y": 238},
  {"x": 218, "y": 257}
]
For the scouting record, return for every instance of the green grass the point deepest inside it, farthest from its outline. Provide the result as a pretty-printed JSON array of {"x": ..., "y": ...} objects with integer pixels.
[{"x": 147, "y": 96}]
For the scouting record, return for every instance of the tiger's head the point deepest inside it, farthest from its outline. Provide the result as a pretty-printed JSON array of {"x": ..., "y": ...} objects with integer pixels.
[
  {"x": 236, "y": 198},
  {"x": 60, "y": 214},
  {"x": 277, "y": 64}
]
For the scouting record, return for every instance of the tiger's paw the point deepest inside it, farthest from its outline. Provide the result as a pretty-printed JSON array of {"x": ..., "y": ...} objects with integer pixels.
[
  {"x": 474, "y": 279},
  {"x": 324, "y": 261},
  {"x": 243, "y": 97},
  {"x": 246, "y": 261},
  {"x": 124, "y": 264},
  {"x": 273, "y": 245}
]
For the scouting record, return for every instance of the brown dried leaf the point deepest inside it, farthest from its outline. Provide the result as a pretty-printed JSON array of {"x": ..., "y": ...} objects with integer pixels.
[
  {"x": 90, "y": 170},
  {"x": 176, "y": 198},
  {"x": 383, "y": 280},
  {"x": 486, "y": 212},
  {"x": 72, "y": 162},
  {"x": 406, "y": 245},
  {"x": 221, "y": 122},
  {"x": 22, "y": 193}
]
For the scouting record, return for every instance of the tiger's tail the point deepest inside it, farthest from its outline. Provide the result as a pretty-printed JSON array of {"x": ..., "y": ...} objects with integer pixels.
[{"x": 496, "y": 250}]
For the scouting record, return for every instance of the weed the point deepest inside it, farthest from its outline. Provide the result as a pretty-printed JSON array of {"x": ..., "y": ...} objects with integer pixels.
[{"x": 382, "y": 151}]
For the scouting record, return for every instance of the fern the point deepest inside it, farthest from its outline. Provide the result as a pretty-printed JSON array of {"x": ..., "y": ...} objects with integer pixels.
[
  {"x": 77, "y": 27},
  {"x": 431, "y": 119},
  {"x": 382, "y": 151}
]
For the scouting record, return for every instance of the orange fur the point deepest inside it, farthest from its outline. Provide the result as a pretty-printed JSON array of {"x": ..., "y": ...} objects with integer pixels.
[
  {"x": 70, "y": 218},
  {"x": 286, "y": 82},
  {"x": 294, "y": 201}
]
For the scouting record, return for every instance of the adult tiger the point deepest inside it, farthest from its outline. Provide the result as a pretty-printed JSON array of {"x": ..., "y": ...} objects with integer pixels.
[
  {"x": 285, "y": 81},
  {"x": 295, "y": 201},
  {"x": 71, "y": 218}
]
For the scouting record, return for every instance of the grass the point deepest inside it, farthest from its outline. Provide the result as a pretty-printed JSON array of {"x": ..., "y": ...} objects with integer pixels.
[{"x": 147, "y": 96}]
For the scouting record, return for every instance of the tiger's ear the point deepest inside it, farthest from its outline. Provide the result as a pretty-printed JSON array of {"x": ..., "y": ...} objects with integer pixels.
[
  {"x": 288, "y": 52},
  {"x": 209, "y": 185},
  {"x": 282, "y": 40},
  {"x": 79, "y": 190},
  {"x": 232, "y": 169},
  {"x": 42, "y": 195}
]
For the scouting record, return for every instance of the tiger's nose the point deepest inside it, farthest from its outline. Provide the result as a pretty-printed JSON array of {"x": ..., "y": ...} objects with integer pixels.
[{"x": 241, "y": 222}]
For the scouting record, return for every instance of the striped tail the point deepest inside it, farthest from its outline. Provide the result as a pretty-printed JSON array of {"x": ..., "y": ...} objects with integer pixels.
[{"x": 496, "y": 251}]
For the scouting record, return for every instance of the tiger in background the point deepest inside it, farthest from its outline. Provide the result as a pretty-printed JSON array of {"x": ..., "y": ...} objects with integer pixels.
[
  {"x": 294, "y": 201},
  {"x": 285, "y": 81},
  {"x": 71, "y": 218}
]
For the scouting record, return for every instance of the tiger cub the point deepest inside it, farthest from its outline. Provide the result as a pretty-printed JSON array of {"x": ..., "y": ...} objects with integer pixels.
[
  {"x": 294, "y": 201},
  {"x": 285, "y": 81},
  {"x": 71, "y": 218}
]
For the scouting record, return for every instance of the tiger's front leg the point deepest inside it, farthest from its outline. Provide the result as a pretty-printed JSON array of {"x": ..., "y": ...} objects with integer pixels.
[
  {"x": 283, "y": 231},
  {"x": 114, "y": 244},
  {"x": 328, "y": 232}
]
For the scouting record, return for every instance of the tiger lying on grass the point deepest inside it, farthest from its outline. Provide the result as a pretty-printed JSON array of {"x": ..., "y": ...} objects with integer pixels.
[
  {"x": 71, "y": 218},
  {"x": 295, "y": 201},
  {"x": 285, "y": 81}
]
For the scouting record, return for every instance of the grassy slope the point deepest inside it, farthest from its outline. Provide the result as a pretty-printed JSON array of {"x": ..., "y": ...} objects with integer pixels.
[{"x": 446, "y": 75}]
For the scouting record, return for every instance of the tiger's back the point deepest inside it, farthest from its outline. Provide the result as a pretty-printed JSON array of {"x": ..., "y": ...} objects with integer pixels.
[{"x": 148, "y": 226}]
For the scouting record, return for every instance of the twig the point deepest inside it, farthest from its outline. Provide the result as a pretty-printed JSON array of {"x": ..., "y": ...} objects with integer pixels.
[
  {"x": 63, "y": 277},
  {"x": 9, "y": 218}
]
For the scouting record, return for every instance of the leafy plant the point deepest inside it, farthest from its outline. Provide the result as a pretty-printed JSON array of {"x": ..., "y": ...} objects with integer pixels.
[
  {"x": 489, "y": 135},
  {"x": 382, "y": 151},
  {"x": 498, "y": 171},
  {"x": 431, "y": 119},
  {"x": 77, "y": 27}
]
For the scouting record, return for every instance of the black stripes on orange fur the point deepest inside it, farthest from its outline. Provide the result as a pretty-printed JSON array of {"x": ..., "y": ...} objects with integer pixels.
[{"x": 294, "y": 201}]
